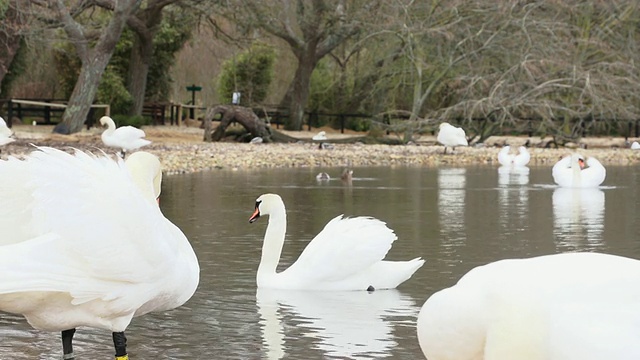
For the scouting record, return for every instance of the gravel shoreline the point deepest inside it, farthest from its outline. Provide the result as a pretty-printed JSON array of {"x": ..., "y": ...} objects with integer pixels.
[{"x": 181, "y": 150}]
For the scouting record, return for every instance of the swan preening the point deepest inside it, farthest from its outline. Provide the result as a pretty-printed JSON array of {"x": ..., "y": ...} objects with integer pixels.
[
  {"x": 451, "y": 136},
  {"x": 84, "y": 243},
  {"x": 125, "y": 138},
  {"x": 507, "y": 159},
  {"x": 346, "y": 255},
  {"x": 571, "y": 306},
  {"x": 5, "y": 133},
  {"x": 572, "y": 172}
]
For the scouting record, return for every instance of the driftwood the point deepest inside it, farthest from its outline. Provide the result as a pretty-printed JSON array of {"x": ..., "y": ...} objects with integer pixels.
[
  {"x": 240, "y": 114},
  {"x": 258, "y": 128}
]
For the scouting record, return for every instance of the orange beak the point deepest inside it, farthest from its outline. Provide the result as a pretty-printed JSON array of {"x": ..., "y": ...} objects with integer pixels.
[
  {"x": 255, "y": 215},
  {"x": 581, "y": 163}
]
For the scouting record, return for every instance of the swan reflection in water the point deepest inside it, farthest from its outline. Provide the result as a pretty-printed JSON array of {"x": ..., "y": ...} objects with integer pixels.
[
  {"x": 340, "y": 324},
  {"x": 512, "y": 192},
  {"x": 578, "y": 214}
]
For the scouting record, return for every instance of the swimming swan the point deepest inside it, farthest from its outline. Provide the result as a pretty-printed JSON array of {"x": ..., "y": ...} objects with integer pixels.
[
  {"x": 346, "y": 255},
  {"x": 451, "y": 136},
  {"x": 571, "y": 306},
  {"x": 571, "y": 172},
  {"x": 507, "y": 159},
  {"x": 125, "y": 138},
  {"x": 84, "y": 243}
]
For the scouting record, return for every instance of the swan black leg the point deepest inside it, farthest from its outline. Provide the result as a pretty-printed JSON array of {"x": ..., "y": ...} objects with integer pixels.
[
  {"x": 67, "y": 346},
  {"x": 120, "y": 342}
]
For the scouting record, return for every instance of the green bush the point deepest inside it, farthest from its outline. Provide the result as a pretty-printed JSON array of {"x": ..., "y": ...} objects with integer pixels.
[
  {"x": 126, "y": 120},
  {"x": 250, "y": 73}
]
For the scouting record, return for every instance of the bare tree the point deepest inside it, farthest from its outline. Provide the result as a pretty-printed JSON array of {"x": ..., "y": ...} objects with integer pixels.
[
  {"x": 93, "y": 46},
  {"x": 312, "y": 29},
  {"x": 564, "y": 73},
  {"x": 14, "y": 22}
]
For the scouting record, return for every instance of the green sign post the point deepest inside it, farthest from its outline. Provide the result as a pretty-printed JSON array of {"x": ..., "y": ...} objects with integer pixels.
[{"x": 193, "y": 88}]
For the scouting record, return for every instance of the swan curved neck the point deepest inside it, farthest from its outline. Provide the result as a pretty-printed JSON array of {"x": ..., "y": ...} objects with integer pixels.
[
  {"x": 575, "y": 168},
  {"x": 272, "y": 244}
]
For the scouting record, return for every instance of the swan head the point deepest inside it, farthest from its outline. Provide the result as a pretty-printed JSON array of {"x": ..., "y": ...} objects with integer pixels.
[
  {"x": 105, "y": 121},
  {"x": 267, "y": 204},
  {"x": 146, "y": 171}
]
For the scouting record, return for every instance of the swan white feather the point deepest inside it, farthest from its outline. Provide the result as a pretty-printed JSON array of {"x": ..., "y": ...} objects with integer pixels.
[
  {"x": 346, "y": 255},
  {"x": 451, "y": 136},
  {"x": 84, "y": 245},
  {"x": 507, "y": 159},
  {"x": 126, "y": 138},
  {"x": 568, "y": 173},
  {"x": 557, "y": 307}
]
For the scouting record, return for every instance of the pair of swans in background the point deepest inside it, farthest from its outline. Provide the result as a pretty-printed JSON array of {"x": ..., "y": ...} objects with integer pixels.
[
  {"x": 84, "y": 243},
  {"x": 571, "y": 306},
  {"x": 451, "y": 136}
]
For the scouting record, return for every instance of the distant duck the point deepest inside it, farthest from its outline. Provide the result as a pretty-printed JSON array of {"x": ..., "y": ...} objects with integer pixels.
[
  {"x": 507, "y": 159},
  {"x": 325, "y": 146},
  {"x": 573, "y": 172},
  {"x": 125, "y": 138},
  {"x": 451, "y": 136},
  {"x": 5, "y": 133},
  {"x": 320, "y": 136},
  {"x": 635, "y": 145},
  {"x": 323, "y": 176},
  {"x": 347, "y": 175}
]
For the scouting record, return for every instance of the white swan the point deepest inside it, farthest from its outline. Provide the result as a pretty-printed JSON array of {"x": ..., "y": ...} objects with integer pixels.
[
  {"x": 571, "y": 172},
  {"x": 322, "y": 135},
  {"x": 635, "y": 146},
  {"x": 125, "y": 138},
  {"x": 5, "y": 133},
  {"x": 507, "y": 159},
  {"x": 451, "y": 136},
  {"x": 84, "y": 243},
  {"x": 572, "y": 306},
  {"x": 346, "y": 255}
]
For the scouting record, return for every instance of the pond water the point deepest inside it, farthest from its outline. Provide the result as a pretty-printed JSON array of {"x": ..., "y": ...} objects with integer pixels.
[{"x": 455, "y": 218}]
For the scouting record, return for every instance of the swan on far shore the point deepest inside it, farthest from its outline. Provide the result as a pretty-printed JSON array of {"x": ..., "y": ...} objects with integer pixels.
[
  {"x": 84, "y": 243},
  {"x": 451, "y": 136},
  {"x": 635, "y": 145},
  {"x": 322, "y": 135},
  {"x": 125, "y": 138},
  {"x": 5, "y": 133},
  {"x": 569, "y": 306},
  {"x": 520, "y": 159},
  {"x": 572, "y": 171},
  {"x": 346, "y": 255}
]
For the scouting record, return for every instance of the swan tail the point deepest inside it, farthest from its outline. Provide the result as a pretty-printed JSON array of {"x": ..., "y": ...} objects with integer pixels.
[{"x": 390, "y": 274}]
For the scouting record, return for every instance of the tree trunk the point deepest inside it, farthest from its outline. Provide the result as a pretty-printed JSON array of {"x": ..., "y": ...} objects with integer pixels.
[
  {"x": 144, "y": 25},
  {"x": 10, "y": 29},
  {"x": 243, "y": 115},
  {"x": 298, "y": 94},
  {"x": 94, "y": 61}
]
